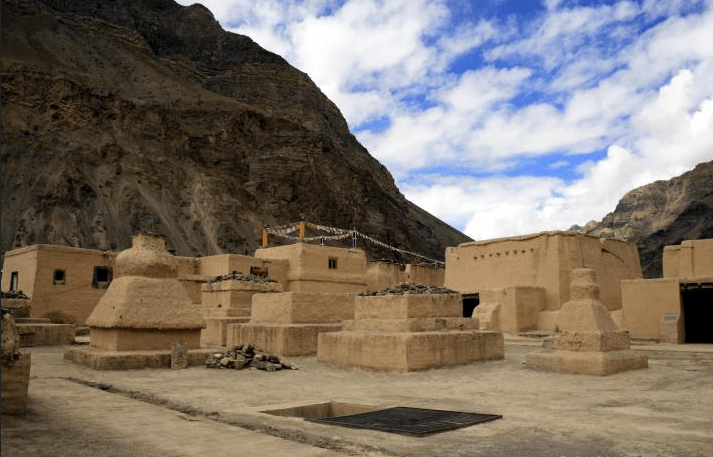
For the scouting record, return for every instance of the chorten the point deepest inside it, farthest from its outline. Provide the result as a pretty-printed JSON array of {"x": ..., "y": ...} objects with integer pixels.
[
  {"x": 145, "y": 308},
  {"x": 407, "y": 328},
  {"x": 590, "y": 342}
]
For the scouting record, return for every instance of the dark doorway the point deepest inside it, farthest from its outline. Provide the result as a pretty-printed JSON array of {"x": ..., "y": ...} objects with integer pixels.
[
  {"x": 697, "y": 306},
  {"x": 470, "y": 301}
]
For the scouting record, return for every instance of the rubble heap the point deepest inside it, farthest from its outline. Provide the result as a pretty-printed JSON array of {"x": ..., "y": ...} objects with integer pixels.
[
  {"x": 237, "y": 276},
  {"x": 247, "y": 356},
  {"x": 409, "y": 288}
]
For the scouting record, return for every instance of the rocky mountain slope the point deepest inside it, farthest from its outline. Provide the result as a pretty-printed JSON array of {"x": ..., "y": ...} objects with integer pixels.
[
  {"x": 143, "y": 115},
  {"x": 661, "y": 214}
]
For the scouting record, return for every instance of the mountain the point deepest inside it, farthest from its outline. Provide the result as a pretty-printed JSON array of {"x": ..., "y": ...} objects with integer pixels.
[
  {"x": 660, "y": 214},
  {"x": 143, "y": 115}
]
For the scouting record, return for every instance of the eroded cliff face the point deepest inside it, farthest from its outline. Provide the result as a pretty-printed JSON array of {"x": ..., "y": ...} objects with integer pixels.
[
  {"x": 126, "y": 116},
  {"x": 660, "y": 214}
]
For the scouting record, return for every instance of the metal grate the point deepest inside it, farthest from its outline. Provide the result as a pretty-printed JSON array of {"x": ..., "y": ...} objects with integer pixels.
[{"x": 410, "y": 421}]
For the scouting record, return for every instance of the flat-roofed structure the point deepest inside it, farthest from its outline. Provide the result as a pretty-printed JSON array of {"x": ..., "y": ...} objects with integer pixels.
[
  {"x": 59, "y": 278},
  {"x": 531, "y": 274},
  {"x": 677, "y": 308}
]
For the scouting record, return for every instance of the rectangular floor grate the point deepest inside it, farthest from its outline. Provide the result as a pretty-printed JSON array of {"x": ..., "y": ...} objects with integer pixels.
[{"x": 410, "y": 421}]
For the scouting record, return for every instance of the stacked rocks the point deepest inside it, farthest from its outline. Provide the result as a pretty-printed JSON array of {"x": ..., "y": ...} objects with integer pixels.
[
  {"x": 15, "y": 295},
  {"x": 237, "y": 276},
  {"x": 409, "y": 288},
  {"x": 247, "y": 356}
]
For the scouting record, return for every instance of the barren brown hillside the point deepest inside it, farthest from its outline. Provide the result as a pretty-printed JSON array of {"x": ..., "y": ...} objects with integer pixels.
[{"x": 126, "y": 116}]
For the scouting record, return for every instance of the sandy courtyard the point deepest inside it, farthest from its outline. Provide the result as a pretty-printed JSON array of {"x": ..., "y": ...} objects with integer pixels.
[{"x": 665, "y": 410}]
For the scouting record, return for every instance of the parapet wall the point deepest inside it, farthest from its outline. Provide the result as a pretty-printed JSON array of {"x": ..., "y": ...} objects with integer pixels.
[
  {"x": 382, "y": 275},
  {"x": 690, "y": 259}
]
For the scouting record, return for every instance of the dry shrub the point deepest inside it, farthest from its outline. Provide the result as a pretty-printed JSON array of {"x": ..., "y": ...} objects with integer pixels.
[{"x": 59, "y": 317}]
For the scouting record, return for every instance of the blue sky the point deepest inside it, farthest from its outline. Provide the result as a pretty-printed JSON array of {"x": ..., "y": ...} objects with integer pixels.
[{"x": 506, "y": 117}]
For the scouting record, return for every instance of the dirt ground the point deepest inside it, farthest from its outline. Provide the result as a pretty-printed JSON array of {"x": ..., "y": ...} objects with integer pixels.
[{"x": 665, "y": 410}]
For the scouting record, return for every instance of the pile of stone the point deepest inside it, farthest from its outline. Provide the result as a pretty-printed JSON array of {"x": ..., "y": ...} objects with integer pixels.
[
  {"x": 247, "y": 356},
  {"x": 15, "y": 295},
  {"x": 409, "y": 288},
  {"x": 237, "y": 276}
]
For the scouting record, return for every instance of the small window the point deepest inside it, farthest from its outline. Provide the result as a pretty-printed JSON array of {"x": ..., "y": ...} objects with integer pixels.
[
  {"x": 102, "y": 277},
  {"x": 58, "y": 278},
  {"x": 332, "y": 264},
  {"x": 14, "y": 281},
  {"x": 259, "y": 271}
]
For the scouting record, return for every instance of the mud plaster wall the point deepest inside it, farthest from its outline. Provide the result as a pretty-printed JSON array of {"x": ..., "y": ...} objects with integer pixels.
[
  {"x": 23, "y": 261},
  {"x": 381, "y": 275},
  {"x": 645, "y": 302},
  {"x": 186, "y": 265},
  {"x": 690, "y": 259},
  {"x": 310, "y": 267},
  {"x": 217, "y": 265},
  {"x": 419, "y": 274},
  {"x": 542, "y": 260},
  {"x": 75, "y": 296}
]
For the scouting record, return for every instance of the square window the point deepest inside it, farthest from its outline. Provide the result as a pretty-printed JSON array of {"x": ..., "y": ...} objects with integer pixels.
[
  {"x": 332, "y": 264},
  {"x": 102, "y": 277},
  {"x": 58, "y": 278}
]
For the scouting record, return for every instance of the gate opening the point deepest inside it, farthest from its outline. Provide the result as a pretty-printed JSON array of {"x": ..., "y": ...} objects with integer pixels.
[{"x": 697, "y": 310}]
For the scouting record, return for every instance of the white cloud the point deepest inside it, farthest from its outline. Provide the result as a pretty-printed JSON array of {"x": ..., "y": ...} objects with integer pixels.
[
  {"x": 591, "y": 81},
  {"x": 669, "y": 138},
  {"x": 493, "y": 207}
]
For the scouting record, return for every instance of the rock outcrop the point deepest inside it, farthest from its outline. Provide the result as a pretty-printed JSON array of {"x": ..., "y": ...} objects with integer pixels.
[
  {"x": 660, "y": 214},
  {"x": 130, "y": 116}
]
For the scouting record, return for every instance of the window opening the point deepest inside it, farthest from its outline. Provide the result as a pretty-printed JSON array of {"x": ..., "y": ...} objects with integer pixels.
[
  {"x": 58, "y": 278},
  {"x": 470, "y": 302},
  {"x": 332, "y": 264},
  {"x": 102, "y": 277},
  {"x": 14, "y": 281},
  {"x": 259, "y": 271}
]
